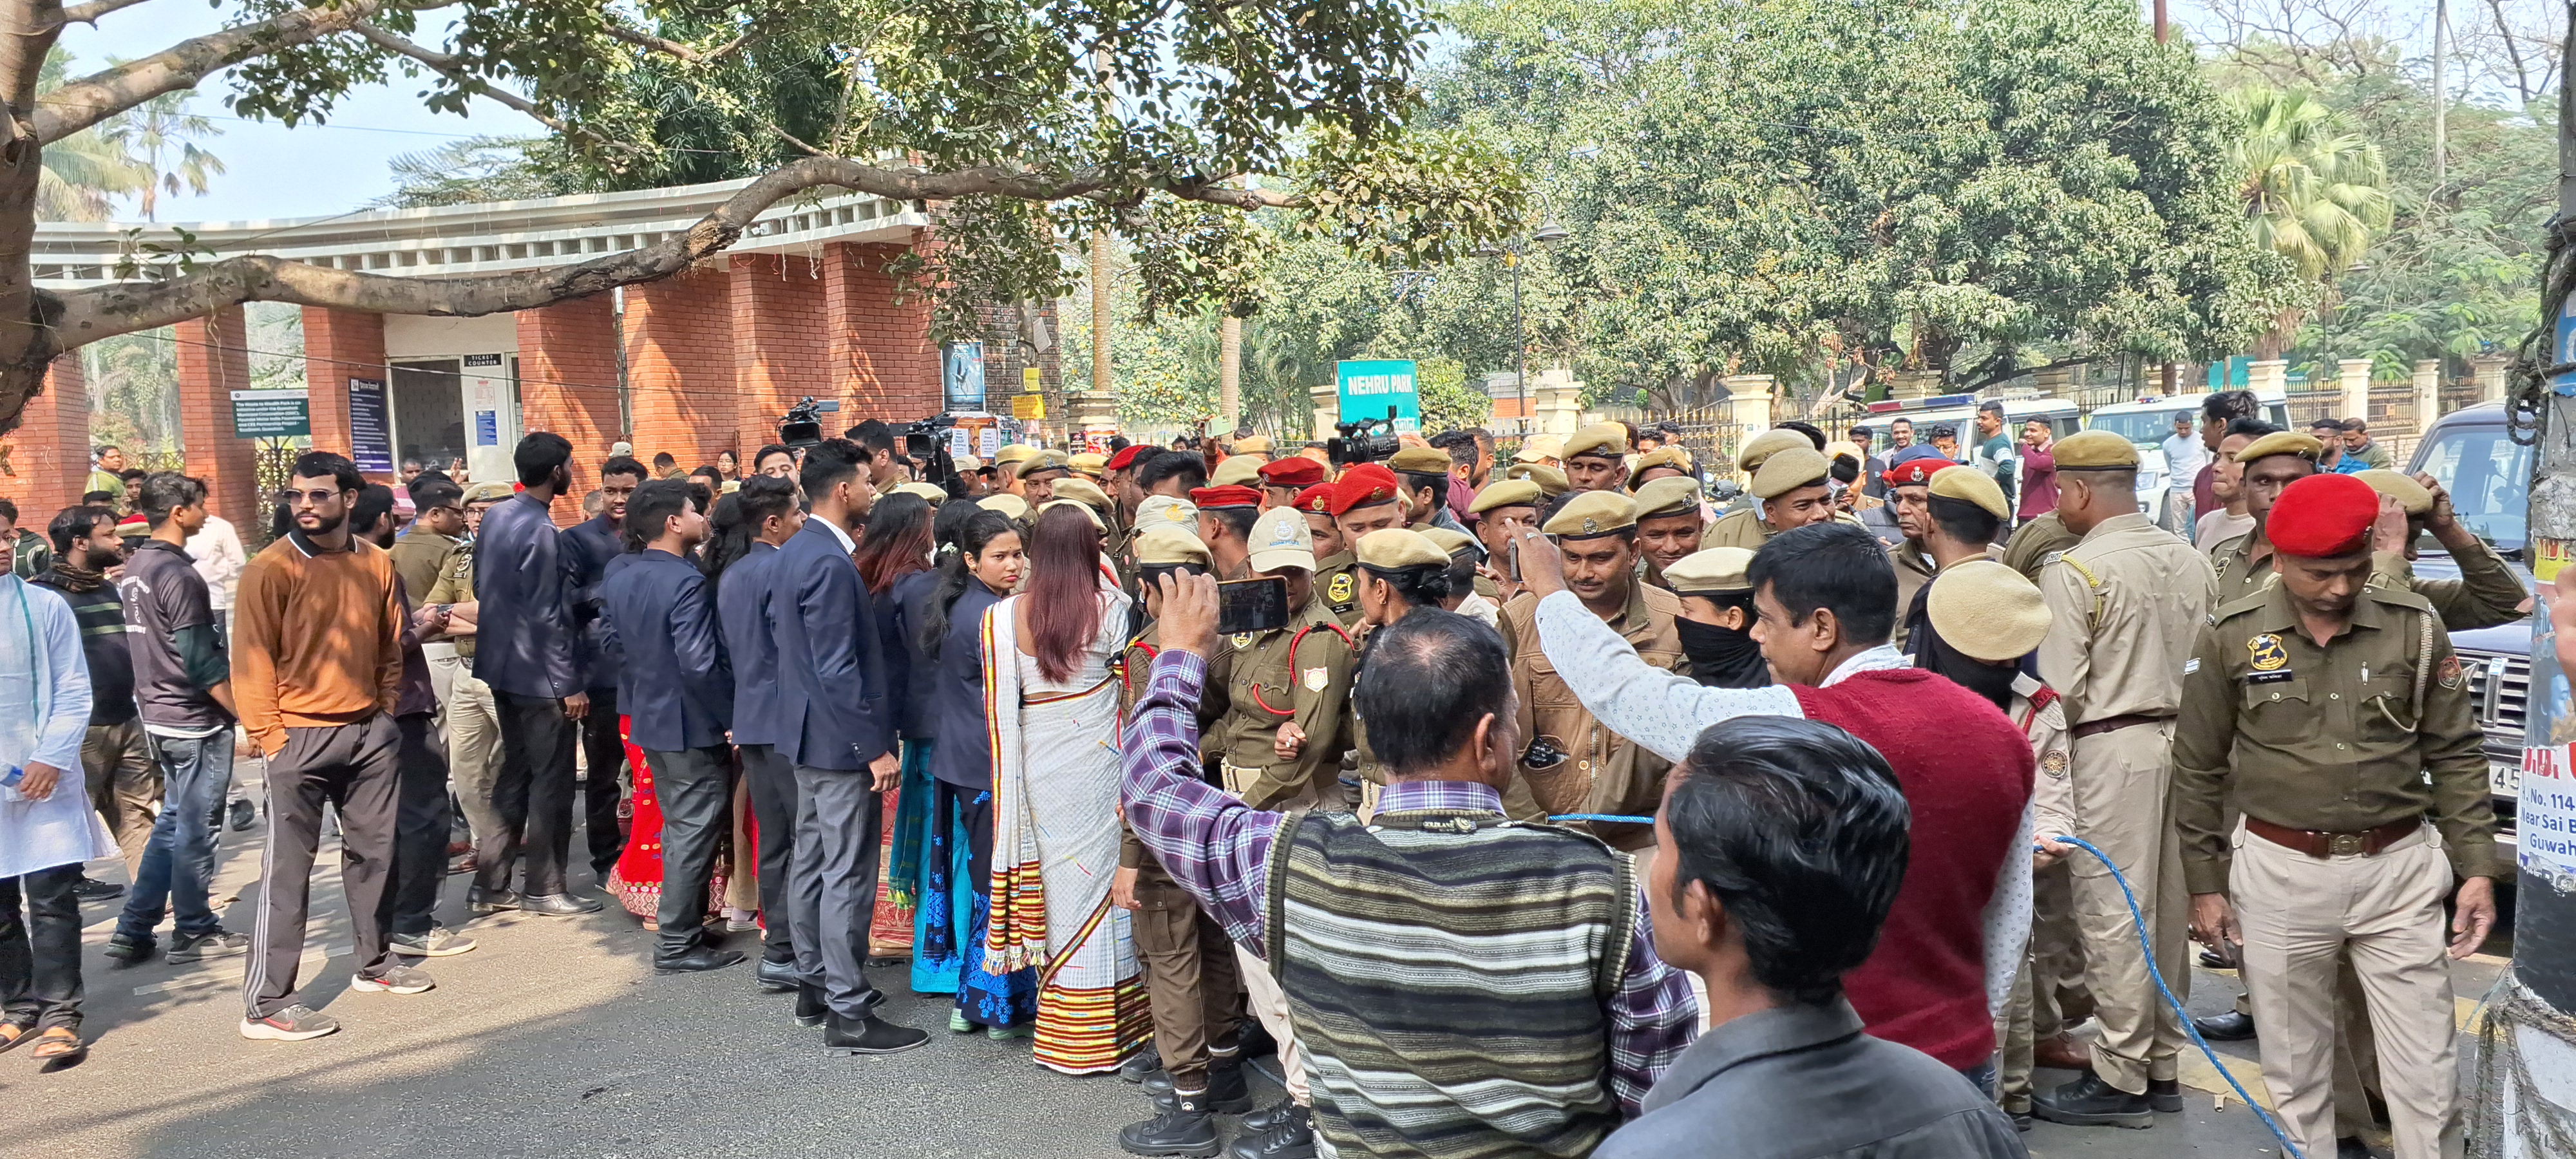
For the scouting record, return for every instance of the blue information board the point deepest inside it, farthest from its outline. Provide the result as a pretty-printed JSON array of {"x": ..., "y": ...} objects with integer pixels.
[
  {"x": 1369, "y": 388},
  {"x": 371, "y": 431}
]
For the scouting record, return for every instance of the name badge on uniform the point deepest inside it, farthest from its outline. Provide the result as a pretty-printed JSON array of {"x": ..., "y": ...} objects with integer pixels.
[{"x": 2268, "y": 677}]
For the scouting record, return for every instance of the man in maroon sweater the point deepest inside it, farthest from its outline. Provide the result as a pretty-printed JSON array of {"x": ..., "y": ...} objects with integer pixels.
[{"x": 1824, "y": 601}]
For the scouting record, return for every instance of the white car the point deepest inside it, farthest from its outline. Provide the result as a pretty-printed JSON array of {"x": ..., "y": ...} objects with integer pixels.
[{"x": 2149, "y": 421}]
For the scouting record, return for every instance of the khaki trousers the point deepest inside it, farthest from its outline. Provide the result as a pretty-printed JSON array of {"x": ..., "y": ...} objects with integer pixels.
[
  {"x": 1190, "y": 978},
  {"x": 1270, "y": 1004},
  {"x": 123, "y": 782},
  {"x": 2119, "y": 780},
  {"x": 2297, "y": 914},
  {"x": 473, "y": 727},
  {"x": 2055, "y": 958}
]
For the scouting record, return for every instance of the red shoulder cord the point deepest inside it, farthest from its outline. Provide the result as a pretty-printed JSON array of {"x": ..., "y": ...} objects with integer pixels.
[
  {"x": 1293, "y": 641},
  {"x": 1127, "y": 671}
]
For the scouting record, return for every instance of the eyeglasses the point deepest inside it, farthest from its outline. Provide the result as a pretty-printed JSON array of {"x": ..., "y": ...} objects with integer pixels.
[{"x": 312, "y": 498}]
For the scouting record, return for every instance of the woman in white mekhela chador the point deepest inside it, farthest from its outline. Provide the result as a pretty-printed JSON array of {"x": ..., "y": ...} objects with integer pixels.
[{"x": 1052, "y": 703}]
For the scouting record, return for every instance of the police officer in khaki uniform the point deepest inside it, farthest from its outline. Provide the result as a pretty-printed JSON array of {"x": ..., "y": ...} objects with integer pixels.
[
  {"x": 1716, "y": 621},
  {"x": 2036, "y": 540},
  {"x": 1669, "y": 525},
  {"x": 1550, "y": 481},
  {"x": 1666, "y": 462},
  {"x": 1283, "y": 479},
  {"x": 1909, "y": 495},
  {"x": 1596, "y": 458},
  {"x": 1401, "y": 571},
  {"x": 2127, "y": 600},
  {"x": 2334, "y": 713},
  {"x": 1368, "y": 497},
  {"x": 1188, "y": 959},
  {"x": 1749, "y": 459},
  {"x": 1571, "y": 763},
  {"x": 1791, "y": 490},
  {"x": 1502, "y": 509},
  {"x": 473, "y": 720},
  {"x": 1287, "y": 689},
  {"x": 1960, "y": 514}
]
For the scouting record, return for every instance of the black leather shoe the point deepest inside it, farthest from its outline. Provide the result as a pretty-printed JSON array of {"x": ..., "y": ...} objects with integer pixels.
[
  {"x": 2090, "y": 1102},
  {"x": 696, "y": 961},
  {"x": 1256, "y": 1122},
  {"x": 2165, "y": 1095},
  {"x": 1186, "y": 1129},
  {"x": 244, "y": 814},
  {"x": 557, "y": 905},
  {"x": 2021, "y": 1120},
  {"x": 1148, "y": 1061},
  {"x": 1293, "y": 1137},
  {"x": 778, "y": 977},
  {"x": 491, "y": 901},
  {"x": 869, "y": 1035},
  {"x": 2209, "y": 960},
  {"x": 1226, "y": 1093},
  {"x": 810, "y": 1008},
  {"x": 2351, "y": 1148},
  {"x": 87, "y": 890},
  {"x": 2228, "y": 1027}
]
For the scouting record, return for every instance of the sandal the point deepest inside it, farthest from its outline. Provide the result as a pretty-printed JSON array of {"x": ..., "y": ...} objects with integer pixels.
[
  {"x": 13, "y": 1033},
  {"x": 60, "y": 1046}
]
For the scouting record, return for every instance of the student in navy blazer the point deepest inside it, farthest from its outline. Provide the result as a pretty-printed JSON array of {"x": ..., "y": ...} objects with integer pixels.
[
  {"x": 765, "y": 510},
  {"x": 677, "y": 690},
  {"x": 835, "y": 727}
]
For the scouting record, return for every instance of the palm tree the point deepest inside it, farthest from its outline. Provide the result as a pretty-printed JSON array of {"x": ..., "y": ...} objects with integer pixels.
[
  {"x": 2315, "y": 190},
  {"x": 164, "y": 128},
  {"x": 84, "y": 173}
]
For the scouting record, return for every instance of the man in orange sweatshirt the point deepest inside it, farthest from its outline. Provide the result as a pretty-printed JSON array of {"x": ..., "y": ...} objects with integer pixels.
[{"x": 317, "y": 665}]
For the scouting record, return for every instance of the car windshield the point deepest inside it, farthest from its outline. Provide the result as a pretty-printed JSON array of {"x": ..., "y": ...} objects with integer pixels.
[
  {"x": 2488, "y": 476},
  {"x": 2147, "y": 428}
]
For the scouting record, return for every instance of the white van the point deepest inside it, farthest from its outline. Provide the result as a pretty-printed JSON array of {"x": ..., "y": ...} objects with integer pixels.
[{"x": 2149, "y": 421}]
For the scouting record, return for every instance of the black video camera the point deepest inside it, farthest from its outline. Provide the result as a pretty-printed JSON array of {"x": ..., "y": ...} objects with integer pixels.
[
  {"x": 1356, "y": 445},
  {"x": 926, "y": 443},
  {"x": 803, "y": 425}
]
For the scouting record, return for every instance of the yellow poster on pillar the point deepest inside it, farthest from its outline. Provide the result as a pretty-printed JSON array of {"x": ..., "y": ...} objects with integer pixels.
[{"x": 1029, "y": 383}]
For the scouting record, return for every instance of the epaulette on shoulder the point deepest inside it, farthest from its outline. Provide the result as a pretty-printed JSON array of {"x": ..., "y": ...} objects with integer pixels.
[
  {"x": 2240, "y": 606},
  {"x": 2399, "y": 596}
]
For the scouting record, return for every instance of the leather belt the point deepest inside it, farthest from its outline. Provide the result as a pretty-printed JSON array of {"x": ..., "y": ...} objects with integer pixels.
[
  {"x": 2115, "y": 723},
  {"x": 2320, "y": 843}
]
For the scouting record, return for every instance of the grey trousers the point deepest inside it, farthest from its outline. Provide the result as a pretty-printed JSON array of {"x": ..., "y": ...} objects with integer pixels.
[
  {"x": 351, "y": 766},
  {"x": 773, "y": 808},
  {"x": 695, "y": 788},
  {"x": 833, "y": 892}
]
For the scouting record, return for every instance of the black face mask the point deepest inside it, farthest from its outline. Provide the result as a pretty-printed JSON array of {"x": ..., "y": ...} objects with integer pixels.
[
  {"x": 1992, "y": 681},
  {"x": 1722, "y": 657}
]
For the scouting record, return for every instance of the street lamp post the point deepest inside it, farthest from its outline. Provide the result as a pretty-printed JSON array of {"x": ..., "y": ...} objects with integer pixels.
[{"x": 1512, "y": 252}]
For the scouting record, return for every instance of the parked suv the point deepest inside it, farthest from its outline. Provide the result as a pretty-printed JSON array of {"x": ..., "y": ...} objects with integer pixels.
[{"x": 2489, "y": 478}]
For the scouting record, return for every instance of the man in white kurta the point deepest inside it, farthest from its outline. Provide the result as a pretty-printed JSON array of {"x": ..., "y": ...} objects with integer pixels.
[{"x": 47, "y": 827}]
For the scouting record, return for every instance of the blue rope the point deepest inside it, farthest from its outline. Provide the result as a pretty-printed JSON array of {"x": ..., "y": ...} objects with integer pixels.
[{"x": 2138, "y": 922}]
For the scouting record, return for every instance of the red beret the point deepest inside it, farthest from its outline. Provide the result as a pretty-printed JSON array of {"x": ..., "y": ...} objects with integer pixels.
[
  {"x": 2322, "y": 516},
  {"x": 1914, "y": 472},
  {"x": 1125, "y": 458},
  {"x": 1363, "y": 486},
  {"x": 1294, "y": 471},
  {"x": 1318, "y": 498},
  {"x": 1206, "y": 497}
]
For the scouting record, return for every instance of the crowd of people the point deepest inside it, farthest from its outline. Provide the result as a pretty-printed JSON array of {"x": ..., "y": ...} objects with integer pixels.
[{"x": 1572, "y": 806}]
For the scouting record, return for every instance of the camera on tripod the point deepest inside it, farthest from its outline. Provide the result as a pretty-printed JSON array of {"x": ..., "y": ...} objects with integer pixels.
[
  {"x": 1355, "y": 445},
  {"x": 803, "y": 425}
]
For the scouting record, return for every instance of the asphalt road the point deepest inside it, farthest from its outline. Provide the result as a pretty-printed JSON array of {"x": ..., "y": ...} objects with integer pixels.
[{"x": 554, "y": 1039}]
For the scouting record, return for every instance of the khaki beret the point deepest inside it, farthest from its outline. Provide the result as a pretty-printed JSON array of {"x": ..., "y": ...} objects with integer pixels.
[
  {"x": 1420, "y": 461},
  {"x": 1601, "y": 440},
  {"x": 1972, "y": 485},
  {"x": 1007, "y": 504},
  {"x": 1237, "y": 471},
  {"x": 1672, "y": 495},
  {"x": 1083, "y": 491},
  {"x": 1449, "y": 540},
  {"x": 1665, "y": 456},
  {"x": 1281, "y": 539},
  {"x": 2300, "y": 443},
  {"x": 1593, "y": 513},
  {"x": 1550, "y": 480},
  {"x": 1044, "y": 461},
  {"x": 2399, "y": 486},
  {"x": 1713, "y": 571},
  {"x": 1985, "y": 609},
  {"x": 1752, "y": 455},
  {"x": 1090, "y": 463},
  {"x": 929, "y": 491},
  {"x": 2095, "y": 451},
  {"x": 1506, "y": 493},
  {"x": 1013, "y": 453},
  {"x": 1391, "y": 548},
  {"x": 1790, "y": 468},
  {"x": 1255, "y": 445},
  {"x": 1168, "y": 510},
  {"x": 1846, "y": 447},
  {"x": 1537, "y": 447},
  {"x": 487, "y": 493},
  {"x": 1077, "y": 505},
  {"x": 1165, "y": 544}
]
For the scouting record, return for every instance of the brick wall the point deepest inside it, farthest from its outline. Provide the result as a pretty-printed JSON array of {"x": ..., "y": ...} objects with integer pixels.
[
  {"x": 48, "y": 455},
  {"x": 340, "y": 345},
  {"x": 680, "y": 366},
  {"x": 884, "y": 365},
  {"x": 568, "y": 384},
  {"x": 213, "y": 363},
  {"x": 780, "y": 349}
]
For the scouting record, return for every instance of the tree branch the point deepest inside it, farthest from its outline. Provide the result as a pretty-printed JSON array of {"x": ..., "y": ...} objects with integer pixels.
[
  {"x": 455, "y": 69},
  {"x": 92, "y": 12},
  {"x": 2010, "y": 373},
  {"x": 674, "y": 48},
  {"x": 100, "y": 95},
  {"x": 105, "y": 311}
]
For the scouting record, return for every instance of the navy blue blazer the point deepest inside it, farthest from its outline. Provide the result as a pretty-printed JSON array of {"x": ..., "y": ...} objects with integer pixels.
[
  {"x": 964, "y": 756},
  {"x": 677, "y": 690},
  {"x": 831, "y": 679},
  {"x": 742, "y": 600},
  {"x": 588, "y": 547},
  {"x": 911, "y": 677},
  {"x": 523, "y": 643}
]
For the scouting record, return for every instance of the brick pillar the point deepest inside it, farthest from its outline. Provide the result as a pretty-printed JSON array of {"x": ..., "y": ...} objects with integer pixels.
[
  {"x": 783, "y": 337},
  {"x": 213, "y": 363},
  {"x": 48, "y": 455},
  {"x": 568, "y": 383},
  {"x": 679, "y": 366},
  {"x": 883, "y": 363},
  {"x": 340, "y": 345}
]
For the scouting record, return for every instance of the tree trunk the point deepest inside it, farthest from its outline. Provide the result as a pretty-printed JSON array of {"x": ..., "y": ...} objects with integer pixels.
[
  {"x": 2285, "y": 327},
  {"x": 28, "y": 344}
]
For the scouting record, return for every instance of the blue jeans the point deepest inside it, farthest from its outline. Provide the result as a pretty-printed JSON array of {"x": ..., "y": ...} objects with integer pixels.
[
  {"x": 179, "y": 861},
  {"x": 1981, "y": 1076}
]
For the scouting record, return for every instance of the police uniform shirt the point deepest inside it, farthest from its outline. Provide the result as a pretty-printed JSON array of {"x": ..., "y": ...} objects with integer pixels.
[
  {"x": 1570, "y": 762},
  {"x": 1266, "y": 686},
  {"x": 2034, "y": 542},
  {"x": 1740, "y": 528},
  {"x": 2128, "y": 602},
  {"x": 1337, "y": 586},
  {"x": 2486, "y": 594}
]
